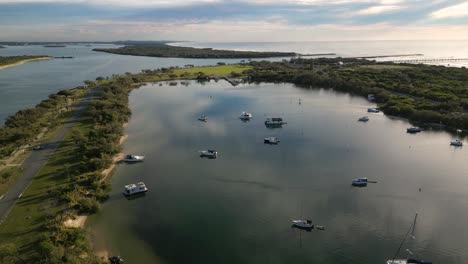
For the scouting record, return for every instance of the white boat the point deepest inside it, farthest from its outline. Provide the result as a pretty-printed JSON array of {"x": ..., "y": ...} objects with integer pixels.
[
  {"x": 211, "y": 154},
  {"x": 134, "y": 158},
  {"x": 303, "y": 224},
  {"x": 246, "y": 116},
  {"x": 456, "y": 143},
  {"x": 407, "y": 261},
  {"x": 359, "y": 182},
  {"x": 271, "y": 140},
  {"x": 363, "y": 119},
  {"x": 203, "y": 118},
  {"x": 373, "y": 110},
  {"x": 135, "y": 188},
  {"x": 274, "y": 121}
]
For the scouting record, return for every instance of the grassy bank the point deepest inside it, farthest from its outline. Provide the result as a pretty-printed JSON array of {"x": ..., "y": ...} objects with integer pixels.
[
  {"x": 6, "y": 62},
  {"x": 163, "y": 50}
]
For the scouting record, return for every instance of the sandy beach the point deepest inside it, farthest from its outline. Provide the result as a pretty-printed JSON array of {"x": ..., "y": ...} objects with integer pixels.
[{"x": 24, "y": 61}]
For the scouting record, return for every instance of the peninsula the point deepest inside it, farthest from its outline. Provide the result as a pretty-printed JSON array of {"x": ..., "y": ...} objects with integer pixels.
[
  {"x": 164, "y": 50},
  {"x": 6, "y": 62}
]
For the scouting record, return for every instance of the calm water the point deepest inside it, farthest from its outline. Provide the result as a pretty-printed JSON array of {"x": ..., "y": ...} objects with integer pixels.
[
  {"x": 430, "y": 48},
  {"x": 26, "y": 85},
  {"x": 237, "y": 208}
]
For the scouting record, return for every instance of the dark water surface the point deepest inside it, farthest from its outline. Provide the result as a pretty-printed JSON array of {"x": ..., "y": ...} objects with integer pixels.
[{"x": 238, "y": 208}]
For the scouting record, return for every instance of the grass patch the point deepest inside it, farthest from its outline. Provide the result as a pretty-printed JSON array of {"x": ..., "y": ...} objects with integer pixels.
[
  {"x": 8, "y": 177},
  {"x": 222, "y": 70}
]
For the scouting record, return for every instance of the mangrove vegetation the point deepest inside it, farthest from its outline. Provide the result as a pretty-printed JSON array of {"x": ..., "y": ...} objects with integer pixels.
[{"x": 163, "y": 50}]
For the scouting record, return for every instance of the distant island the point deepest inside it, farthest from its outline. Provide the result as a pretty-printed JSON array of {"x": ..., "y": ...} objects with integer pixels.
[
  {"x": 1, "y": 47},
  {"x": 6, "y": 62},
  {"x": 164, "y": 50},
  {"x": 55, "y": 46}
]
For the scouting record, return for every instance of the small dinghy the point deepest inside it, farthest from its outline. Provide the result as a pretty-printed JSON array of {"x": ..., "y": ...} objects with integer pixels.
[
  {"x": 320, "y": 227},
  {"x": 211, "y": 154},
  {"x": 203, "y": 118},
  {"x": 413, "y": 130},
  {"x": 359, "y": 182},
  {"x": 134, "y": 158},
  {"x": 456, "y": 143},
  {"x": 271, "y": 140},
  {"x": 363, "y": 119},
  {"x": 303, "y": 224}
]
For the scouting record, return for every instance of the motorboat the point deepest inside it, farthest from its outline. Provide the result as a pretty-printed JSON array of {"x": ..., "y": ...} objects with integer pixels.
[
  {"x": 303, "y": 224},
  {"x": 211, "y": 154},
  {"x": 359, "y": 182},
  {"x": 456, "y": 143},
  {"x": 407, "y": 261},
  {"x": 203, "y": 118},
  {"x": 135, "y": 188},
  {"x": 413, "y": 130},
  {"x": 246, "y": 116},
  {"x": 134, "y": 158},
  {"x": 320, "y": 227},
  {"x": 274, "y": 121},
  {"x": 373, "y": 110},
  {"x": 271, "y": 140},
  {"x": 363, "y": 119},
  {"x": 116, "y": 260}
]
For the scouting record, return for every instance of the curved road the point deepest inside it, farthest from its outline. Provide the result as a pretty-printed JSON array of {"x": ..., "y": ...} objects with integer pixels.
[{"x": 38, "y": 158}]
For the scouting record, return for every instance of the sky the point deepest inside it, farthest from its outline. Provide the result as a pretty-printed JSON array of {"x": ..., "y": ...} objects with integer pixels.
[{"x": 232, "y": 20}]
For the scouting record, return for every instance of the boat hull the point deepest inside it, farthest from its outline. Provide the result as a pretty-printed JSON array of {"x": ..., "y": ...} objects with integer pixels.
[{"x": 134, "y": 193}]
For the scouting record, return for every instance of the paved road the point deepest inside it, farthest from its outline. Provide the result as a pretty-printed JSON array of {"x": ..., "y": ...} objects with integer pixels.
[{"x": 37, "y": 159}]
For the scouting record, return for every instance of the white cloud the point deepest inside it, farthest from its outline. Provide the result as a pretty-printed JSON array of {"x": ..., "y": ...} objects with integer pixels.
[
  {"x": 460, "y": 10},
  {"x": 123, "y": 3},
  {"x": 374, "y": 10}
]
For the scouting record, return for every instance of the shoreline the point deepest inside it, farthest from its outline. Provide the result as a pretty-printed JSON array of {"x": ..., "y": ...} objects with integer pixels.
[
  {"x": 80, "y": 220},
  {"x": 2, "y": 67}
]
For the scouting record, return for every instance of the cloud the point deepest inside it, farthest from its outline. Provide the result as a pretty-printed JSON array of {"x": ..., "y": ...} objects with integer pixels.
[
  {"x": 375, "y": 10},
  {"x": 455, "y": 11},
  {"x": 117, "y": 3}
]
